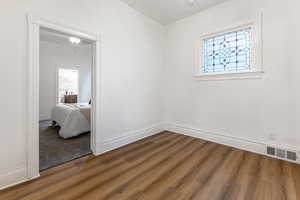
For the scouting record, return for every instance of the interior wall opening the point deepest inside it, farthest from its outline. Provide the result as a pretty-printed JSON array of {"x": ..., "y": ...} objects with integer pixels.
[{"x": 65, "y": 98}]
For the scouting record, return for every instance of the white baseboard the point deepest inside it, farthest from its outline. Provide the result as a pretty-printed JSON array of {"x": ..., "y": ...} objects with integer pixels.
[
  {"x": 228, "y": 140},
  {"x": 12, "y": 178},
  {"x": 45, "y": 117},
  {"x": 131, "y": 137},
  {"x": 18, "y": 176},
  {"x": 236, "y": 142}
]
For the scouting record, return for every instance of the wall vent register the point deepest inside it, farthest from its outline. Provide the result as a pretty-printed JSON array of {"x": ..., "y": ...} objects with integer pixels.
[{"x": 281, "y": 153}]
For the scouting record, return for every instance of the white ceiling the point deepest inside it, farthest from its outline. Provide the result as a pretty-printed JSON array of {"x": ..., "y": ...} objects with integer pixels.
[
  {"x": 59, "y": 38},
  {"x": 168, "y": 11}
]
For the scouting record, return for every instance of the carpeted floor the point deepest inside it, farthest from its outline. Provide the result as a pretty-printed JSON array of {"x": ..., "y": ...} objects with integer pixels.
[{"x": 55, "y": 150}]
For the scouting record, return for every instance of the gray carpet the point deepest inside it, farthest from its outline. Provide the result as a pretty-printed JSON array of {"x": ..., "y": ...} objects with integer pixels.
[{"x": 55, "y": 150}]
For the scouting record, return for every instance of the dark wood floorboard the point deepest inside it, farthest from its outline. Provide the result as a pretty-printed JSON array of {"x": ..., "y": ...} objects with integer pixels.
[{"x": 166, "y": 166}]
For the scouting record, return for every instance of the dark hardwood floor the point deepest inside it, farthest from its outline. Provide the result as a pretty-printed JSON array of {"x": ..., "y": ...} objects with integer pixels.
[{"x": 166, "y": 166}]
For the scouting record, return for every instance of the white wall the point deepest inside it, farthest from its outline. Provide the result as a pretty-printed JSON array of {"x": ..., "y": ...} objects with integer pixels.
[
  {"x": 134, "y": 80},
  {"x": 247, "y": 109},
  {"x": 54, "y": 55},
  {"x": 132, "y": 64}
]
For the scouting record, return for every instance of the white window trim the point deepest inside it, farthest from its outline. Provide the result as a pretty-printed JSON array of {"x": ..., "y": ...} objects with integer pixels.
[
  {"x": 256, "y": 55},
  {"x": 57, "y": 82}
]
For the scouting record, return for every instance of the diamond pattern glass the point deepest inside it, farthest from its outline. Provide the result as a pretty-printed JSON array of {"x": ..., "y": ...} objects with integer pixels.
[{"x": 229, "y": 52}]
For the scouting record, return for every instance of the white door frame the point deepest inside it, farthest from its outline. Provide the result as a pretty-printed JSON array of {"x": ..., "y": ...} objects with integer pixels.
[{"x": 34, "y": 25}]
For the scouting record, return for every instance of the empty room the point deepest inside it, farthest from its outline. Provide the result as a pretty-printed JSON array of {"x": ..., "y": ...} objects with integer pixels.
[{"x": 150, "y": 100}]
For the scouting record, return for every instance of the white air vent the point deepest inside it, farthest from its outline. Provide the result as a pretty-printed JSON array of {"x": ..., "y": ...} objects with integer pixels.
[{"x": 282, "y": 153}]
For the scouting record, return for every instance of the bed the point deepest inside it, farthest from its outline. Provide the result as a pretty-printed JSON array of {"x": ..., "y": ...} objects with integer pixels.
[{"x": 73, "y": 119}]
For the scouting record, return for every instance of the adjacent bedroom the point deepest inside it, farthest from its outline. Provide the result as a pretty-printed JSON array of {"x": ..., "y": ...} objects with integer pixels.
[{"x": 65, "y": 98}]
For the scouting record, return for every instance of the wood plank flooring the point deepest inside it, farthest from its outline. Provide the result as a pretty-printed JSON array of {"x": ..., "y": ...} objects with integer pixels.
[{"x": 166, "y": 166}]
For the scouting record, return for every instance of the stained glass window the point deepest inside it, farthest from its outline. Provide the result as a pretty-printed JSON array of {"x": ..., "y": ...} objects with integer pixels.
[{"x": 229, "y": 52}]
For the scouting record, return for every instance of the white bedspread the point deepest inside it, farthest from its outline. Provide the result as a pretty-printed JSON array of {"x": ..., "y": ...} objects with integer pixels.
[{"x": 71, "y": 120}]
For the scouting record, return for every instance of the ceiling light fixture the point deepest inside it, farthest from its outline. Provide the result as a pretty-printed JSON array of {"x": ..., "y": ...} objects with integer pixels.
[
  {"x": 191, "y": 2},
  {"x": 74, "y": 40}
]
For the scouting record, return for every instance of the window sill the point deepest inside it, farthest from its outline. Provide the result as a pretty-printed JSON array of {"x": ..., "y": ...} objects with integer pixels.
[{"x": 230, "y": 76}]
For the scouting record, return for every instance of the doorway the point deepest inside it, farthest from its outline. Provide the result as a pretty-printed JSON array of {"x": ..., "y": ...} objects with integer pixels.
[
  {"x": 35, "y": 26},
  {"x": 65, "y": 86}
]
